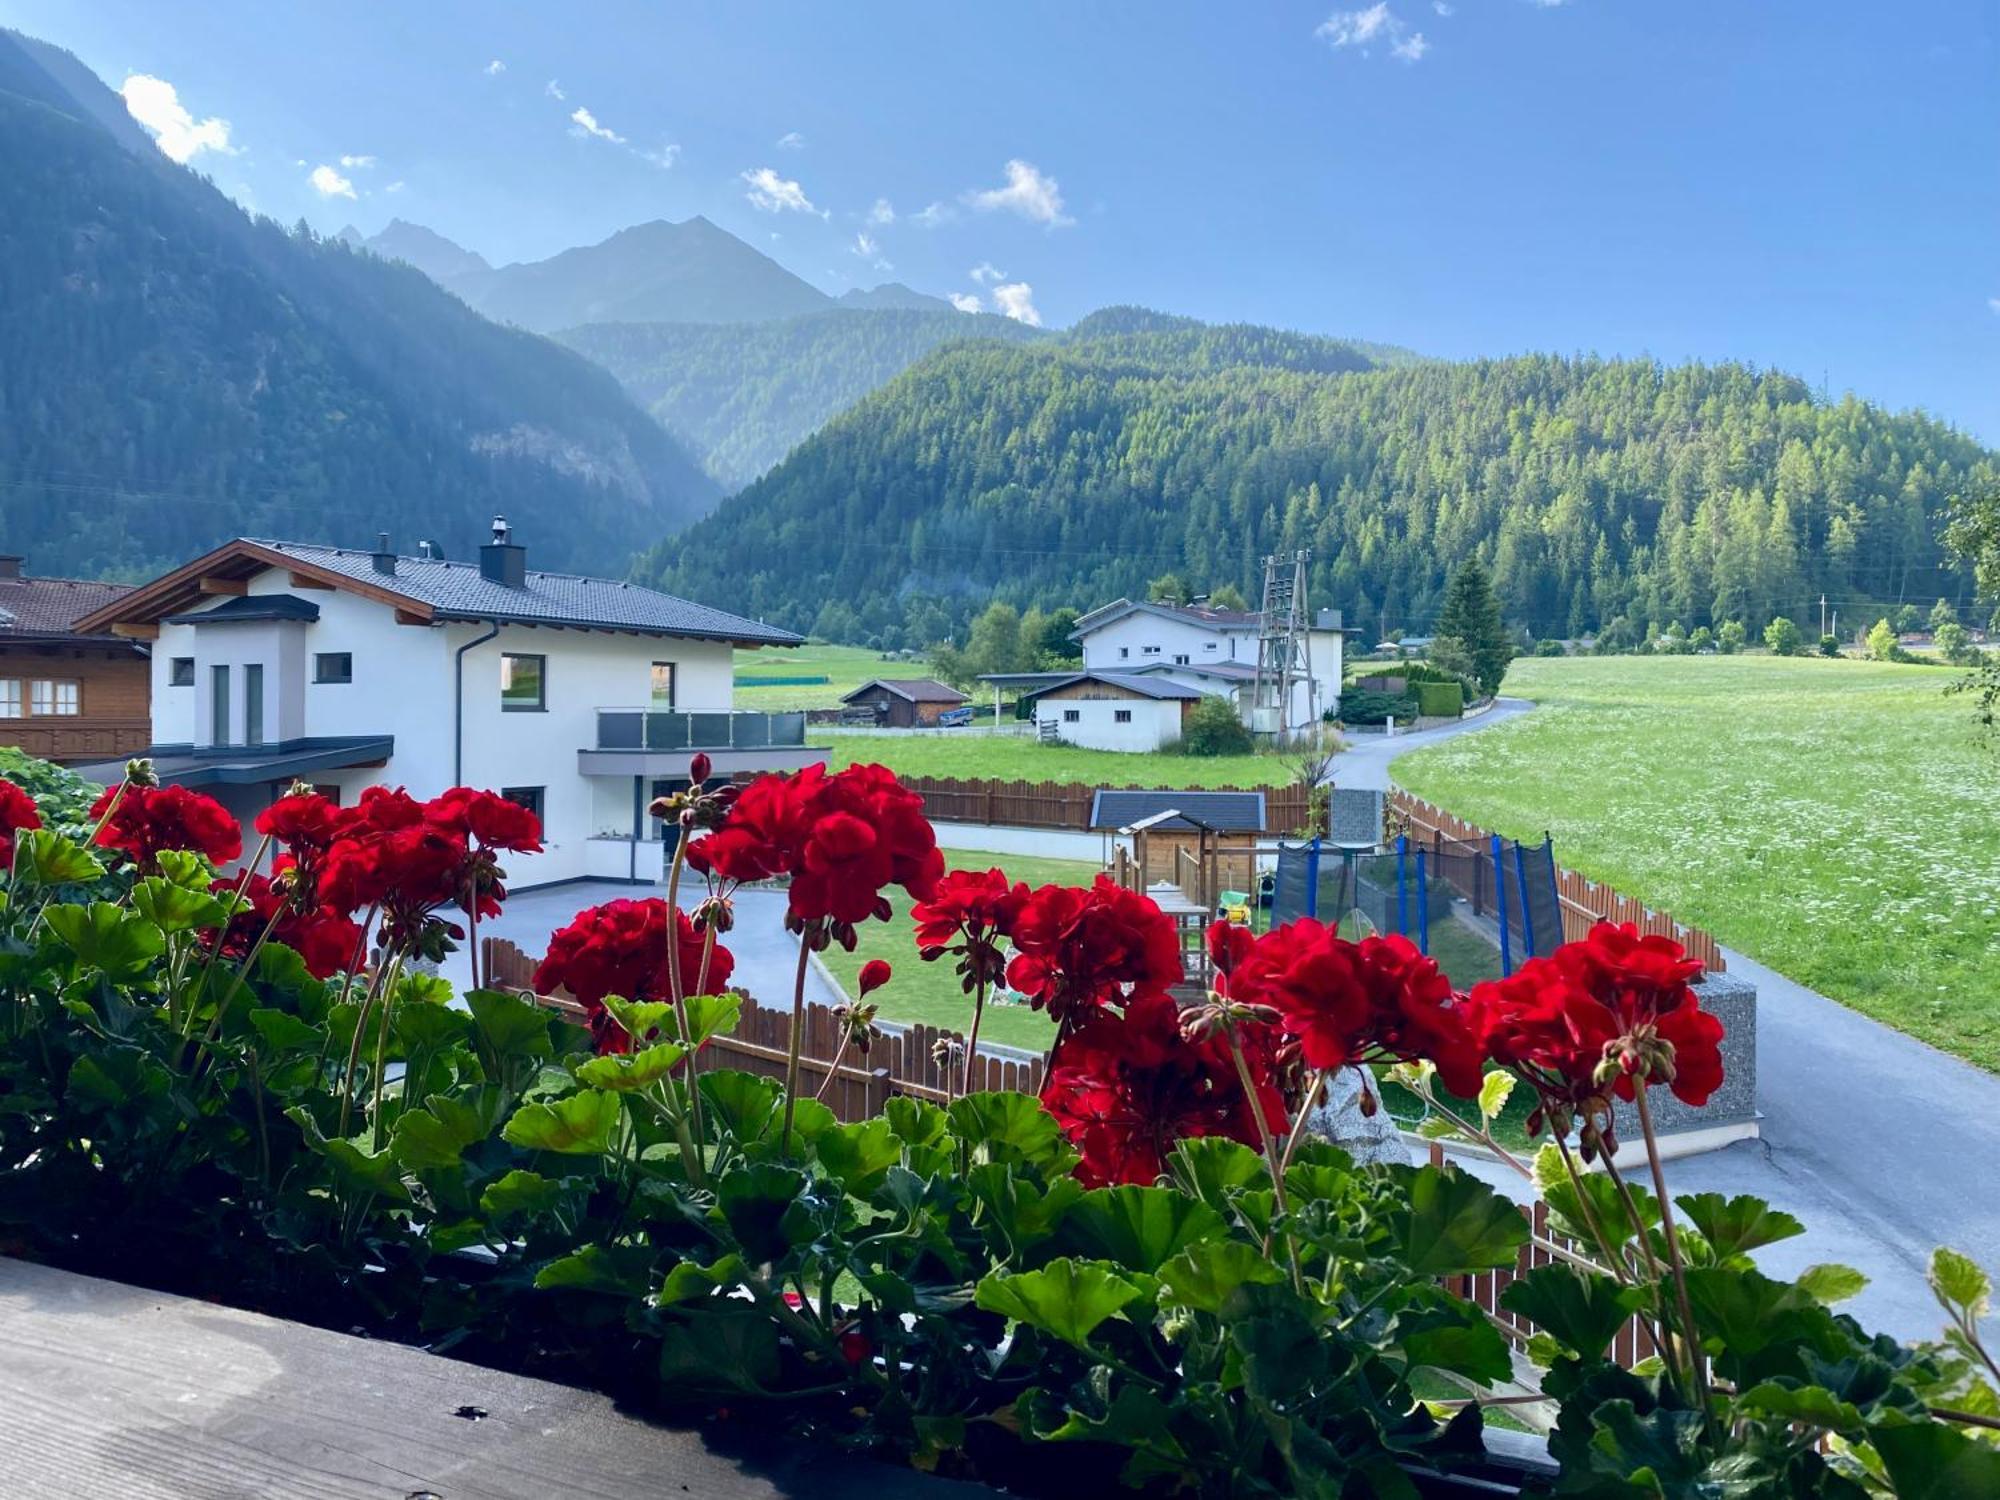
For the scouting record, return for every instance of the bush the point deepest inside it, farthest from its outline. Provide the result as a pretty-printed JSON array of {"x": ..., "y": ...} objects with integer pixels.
[
  {"x": 1440, "y": 700},
  {"x": 1783, "y": 637},
  {"x": 1213, "y": 727},
  {"x": 1882, "y": 642},
  {"x": 1954, "y": 644},
  {"x": 1703, "y": 639},
  {"x": 1550, "y": 648},
  {"x": 1357, "y": 707},
  {"x": 1730, "y": 637},
  {"x": 1829, "y": 645}
]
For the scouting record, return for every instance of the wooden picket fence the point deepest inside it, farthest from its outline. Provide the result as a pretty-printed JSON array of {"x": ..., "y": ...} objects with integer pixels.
[
  {"x": 1064, "y": 804},
  {"x": 1584, "y": 902},
  {"x": 909, "y": 1061}
]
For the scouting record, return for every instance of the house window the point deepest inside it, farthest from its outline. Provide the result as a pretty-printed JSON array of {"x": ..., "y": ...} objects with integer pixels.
[
  {"x": 1071, "y": 715},
  {"x": 328, "y": 790},
  {"x": 1124, "y": 651},
  {"x": 663, "y": 684},
  {"x": 1208, "y": 645},
  {"x": 10, "y": 697},
  {"x": 180, "y": 672},
  {"x": 1181, "y": 661},
  {"x": 1151, "y": 650},
  {"x": 523, "y": 683},
  {"x": 53, "y": 697},
  {"x": 218, "y": 718},
  {"x": 253, "y": 704},
  {"x": 529, "y": 797},
  {"x": 333, "y": 666},
  {"x": 1121, "y": 716}
]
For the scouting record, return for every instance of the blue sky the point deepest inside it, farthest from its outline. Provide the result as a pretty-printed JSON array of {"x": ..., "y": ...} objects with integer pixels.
[{"x": 1811, "y": 184}]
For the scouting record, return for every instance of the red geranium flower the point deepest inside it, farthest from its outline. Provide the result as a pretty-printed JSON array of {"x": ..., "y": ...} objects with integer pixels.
[
  {"x": 764, "y": 834},
  {"x": 1076, "y": 949},
  {"x": 304, "y": 822},
  {"x": 874, "y": 974},
  {"x": 1639, "y": 978},
  {"x": 1347, "y": 1003},
  {"x": 151, "y": 819},
  {"x": 325, "y": 939},
  {"x": 487, "y": 818},
  {"x": 968, "y": 914},
  {"x": 1128, "y": 1087},
  {"x": 620, "y": 948},
  {"x": 17, "y": 812}
]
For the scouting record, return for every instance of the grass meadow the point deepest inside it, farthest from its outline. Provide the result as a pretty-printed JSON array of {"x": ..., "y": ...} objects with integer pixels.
[
  {"x": 1018, "y": 757},
  {"x": 1836, "y": 820},
  {"x": 844, "y": 667}
]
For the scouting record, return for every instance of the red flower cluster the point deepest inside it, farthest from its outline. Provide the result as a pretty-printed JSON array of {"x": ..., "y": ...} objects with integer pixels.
[
  {"x": 1343, "y": 1003},
  {"x": 147, "y": 820},
  {"x": 325, "y": 938},
  {"x": 1127, "y": 1087},
  {"x": 1078, "y": 949},
  {"x": 17, "y": 813},
  {"x": 970, "y": 912},
  {"x": 620, "y": 948},
  {"x": 843, "y": 838},
  {"x": 1594, "y": 1018}
]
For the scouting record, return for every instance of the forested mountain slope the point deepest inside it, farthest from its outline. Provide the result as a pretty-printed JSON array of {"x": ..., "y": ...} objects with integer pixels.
[
  {"x": 742, "y": 395},
  {"x": 1071, "y": 473},
  {"x": 172, "y": 373}
]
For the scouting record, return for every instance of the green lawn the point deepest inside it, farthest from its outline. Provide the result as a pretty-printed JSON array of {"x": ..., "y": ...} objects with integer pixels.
[
  {"x": 929, "y": 992},
  {"x": 844, "y": 667},
  {"x": 1027, "y": 759},
  {"x": 1833, "y": 819}
]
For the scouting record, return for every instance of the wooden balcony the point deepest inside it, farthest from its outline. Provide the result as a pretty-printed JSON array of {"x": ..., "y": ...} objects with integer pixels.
[{"x": 77, "y": 739}]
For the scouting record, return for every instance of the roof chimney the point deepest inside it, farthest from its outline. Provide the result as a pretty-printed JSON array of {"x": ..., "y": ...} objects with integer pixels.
[
  {"x": 430, "y": 550},
  {"x": 385, "y": 560},
  {"x": 10, "y": 568},
  {"x": 502, "y": 561}
]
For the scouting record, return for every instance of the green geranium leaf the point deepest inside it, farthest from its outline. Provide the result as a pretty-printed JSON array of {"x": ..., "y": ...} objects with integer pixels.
[
  {"x": 709, "y": 1016},
  {"x": 185, "y": 868},
  {"x": 618, "y": 1269},
  {"x": 1495, "y": 1089},
  {"x": 639, "y": 1019},
  {"x": 859, "y": 1157},
  {"x": 1660, "y": 1453},
  {"x": 811, "y": 1120},
  {"x": 1135, "y": 1420},
  {"x": 117, "y": 1076},
  {"x": 744, "y": 1103},
  {"x": 1002, "y": 1126},
  {"x": 44, "y": 857},
  {"x": 1958, "y": 1281},
  {"x": 1935, "y": 1461},
  {"x": 1831, "y": 1283},
  {"x": 1214, "y": 1168},
  {"x": 1809, "y": 1405},
  {"x": 691, "y": 1281},
  {"x": 580, "y": 1125},
  {"x": 281, "y": 1031},
  {"x": 1599, "y": 1197},
  {"x": 1736, "y": 1226},
  {"x": 1140, "y": 1228},
  {"x": 726, "y": 1346},
  {"x": 438, "y": 1134},
  {"x": 1453, "y": 1336},
  {"x": 1065, "y": 1298},
  {"x": 917, "y": 1122},
  {"x": 636, "y": 1070},
  {"x": 107, "y": 937},
  {"x": 520, "y": 1192},
  {"x": 1281, "y": 1350},
  {"x": 426, "y": 1028},
  {"x": 507, "y": 1030},
  {"x": 1204, "y": 1276},
  {"x": 1018, "y": 1208},
  {"x": 756, "y": 1203},
  {"x": 358, "y": 1167},
  {"x": 175, "y": 908},
  {"x": 1454, "y": 1224},
  {"x": 1746, "y": 1312},
  {"x": 1583, "y": 1312}
]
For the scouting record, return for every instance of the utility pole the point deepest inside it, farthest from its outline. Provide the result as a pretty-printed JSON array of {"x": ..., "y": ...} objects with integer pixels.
[
  {"x": 1284, "y": 646},
  {"x": 1822, "y": 614}
]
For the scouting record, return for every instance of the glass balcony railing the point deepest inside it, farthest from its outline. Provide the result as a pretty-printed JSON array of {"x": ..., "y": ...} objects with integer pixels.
[{"x": 683, "y": 729}]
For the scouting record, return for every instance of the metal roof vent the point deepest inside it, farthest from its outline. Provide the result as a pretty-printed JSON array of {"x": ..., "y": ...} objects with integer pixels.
[{"x": 385, "y": 559}]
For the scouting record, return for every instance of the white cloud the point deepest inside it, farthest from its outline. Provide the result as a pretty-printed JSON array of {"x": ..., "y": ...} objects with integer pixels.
[
  {"x": 863, "y": 245},
  {"x": 154, "y": 104},
  {"x": 933, "y": 214},
  {"x": 774, "y": 194},
  {"x": 986, "y": 272},
  {"x": 1444, "y": 7},
  {"x": 884, "y": 212},
  {"x": 791, "y": 140},
  {"x": 396, "y": 186},
  {"x": 585, "y": 123},
  {"x": 1016, "y": 300},
  {"x": 495, "y": 68},
  {"x": 329, "y": 183},
  {"x": 554, "y": 90},
  {"x": 665, "y": 157},
  {"x": 1028, "y": 193},
  {"x": 1376, "y": 26},
  {"x": 967, "y": 303},
  {"x": 357, "y": 161}
]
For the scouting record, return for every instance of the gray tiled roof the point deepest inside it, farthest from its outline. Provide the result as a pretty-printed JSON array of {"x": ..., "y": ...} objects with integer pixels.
[
  {"x": 1144, "y": 687},
  {"x": 458, "y": 591},
  {"x": 1229, "y": 812},
  {"x": 916, "y": 689},
  {"x": 1225, "y": 671},
  {"x": 248, "y": 607},
  {"x": 44, "y": 607}
]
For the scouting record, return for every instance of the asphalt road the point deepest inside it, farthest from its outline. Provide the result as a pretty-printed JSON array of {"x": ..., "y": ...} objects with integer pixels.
[{"x": 1364, "y": 764}]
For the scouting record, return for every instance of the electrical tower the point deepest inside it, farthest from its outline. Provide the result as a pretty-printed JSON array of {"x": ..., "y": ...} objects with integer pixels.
[{"x": 1284, "y": 651}]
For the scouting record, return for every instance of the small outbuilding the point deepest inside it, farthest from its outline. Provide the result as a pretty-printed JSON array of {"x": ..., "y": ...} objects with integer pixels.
[
  {"x": 903, "y": 702},
  {"x": 1113, "y": 710}
]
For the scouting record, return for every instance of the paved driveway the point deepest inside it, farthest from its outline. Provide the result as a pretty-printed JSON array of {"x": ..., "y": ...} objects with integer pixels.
[{"x": 1364, "y": 764}]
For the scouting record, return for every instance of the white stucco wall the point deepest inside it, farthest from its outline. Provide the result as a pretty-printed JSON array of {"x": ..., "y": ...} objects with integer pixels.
[
  {"x": 1154, "y": 723},
  {"x": 1146, "y": 639}
]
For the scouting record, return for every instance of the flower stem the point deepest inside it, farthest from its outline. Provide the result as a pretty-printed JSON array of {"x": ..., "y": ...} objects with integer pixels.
[
  {"x": 382, "y": 1050},
  {"x": 833, "y": 1068},
  {"x": 679, "y": 995},
  {"x": 792, "y": 1043},
  {"x": 972, "y": 1037},
  {"x": 1689, "y": 1333}
]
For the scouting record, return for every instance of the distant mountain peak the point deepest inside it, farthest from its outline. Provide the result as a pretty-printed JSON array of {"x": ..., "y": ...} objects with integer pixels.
[
  {"x": 894, "y": 294},
  {"x": 441, "y": 259}
]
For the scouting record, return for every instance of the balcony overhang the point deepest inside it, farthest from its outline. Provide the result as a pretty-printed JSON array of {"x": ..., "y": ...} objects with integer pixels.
[
  {"x": 250, "y": 765},
  {"x": 672, "y": 765}
]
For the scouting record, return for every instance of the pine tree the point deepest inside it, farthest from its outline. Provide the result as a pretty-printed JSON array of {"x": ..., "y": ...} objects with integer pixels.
[{"x": 1471, "y": 614}]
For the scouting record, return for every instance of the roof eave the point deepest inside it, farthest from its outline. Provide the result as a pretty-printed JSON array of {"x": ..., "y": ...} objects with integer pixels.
[{"x": 236, "y": 558}]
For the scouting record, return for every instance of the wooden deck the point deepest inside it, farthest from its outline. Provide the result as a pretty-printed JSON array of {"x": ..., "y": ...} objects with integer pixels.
[{"x": 110, "y": 1392}]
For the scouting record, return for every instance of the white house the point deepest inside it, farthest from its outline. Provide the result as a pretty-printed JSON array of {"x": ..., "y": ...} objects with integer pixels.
[
  {"x": 583, "y": 698},
  {"x": 1112, "y": 710},
  {"x": 1213, "y": 651}
]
